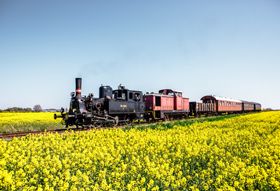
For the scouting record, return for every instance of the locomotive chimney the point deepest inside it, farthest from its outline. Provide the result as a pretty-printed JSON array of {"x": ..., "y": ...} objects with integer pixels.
[{"x": 78, "y": 87}]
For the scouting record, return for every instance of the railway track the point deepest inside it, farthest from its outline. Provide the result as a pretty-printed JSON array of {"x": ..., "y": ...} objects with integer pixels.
[{"x": 22, "y": 134}]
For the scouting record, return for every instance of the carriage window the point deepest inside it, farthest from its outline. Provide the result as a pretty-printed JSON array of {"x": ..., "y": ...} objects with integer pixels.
[
  {"x": 119, "y": 94},
  {"x": 158, "y": 101},
  {"x": 179, "y": 94},
  {"x": 130, "y": 95},
  {"x": 137, "y": 97},
  {"x": 170, "y": 94},
  {"x": 123, "y": 95}
]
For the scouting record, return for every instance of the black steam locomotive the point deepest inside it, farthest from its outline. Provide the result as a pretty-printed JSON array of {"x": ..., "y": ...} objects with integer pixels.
[{"x": 111, "y": 108}]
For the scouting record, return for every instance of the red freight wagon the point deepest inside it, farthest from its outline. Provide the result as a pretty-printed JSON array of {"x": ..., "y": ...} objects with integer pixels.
[
  {"x": 223, "y": 104},
  {"x": 198, "y": 108},
  {"x": 166, "y": 104}
]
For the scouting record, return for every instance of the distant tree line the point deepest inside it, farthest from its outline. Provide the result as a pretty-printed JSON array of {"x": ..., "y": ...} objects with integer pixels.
[
  {"x": 36, "y": 108},
  {"x": 17, "y": 109}
]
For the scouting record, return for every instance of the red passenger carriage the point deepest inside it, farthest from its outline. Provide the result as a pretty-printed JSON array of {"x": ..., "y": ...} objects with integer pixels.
[{"x": 223, "y": 105}]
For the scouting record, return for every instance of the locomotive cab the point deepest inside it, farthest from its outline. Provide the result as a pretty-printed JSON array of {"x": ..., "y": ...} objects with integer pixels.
[
  {"x": 127, "y": 95},
  {"x": 126, "y": 104}
]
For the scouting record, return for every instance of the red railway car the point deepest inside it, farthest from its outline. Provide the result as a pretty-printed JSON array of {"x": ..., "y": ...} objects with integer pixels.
[
  {"x": 166, "y": 104},
  {"x": 223, "y": 105}
]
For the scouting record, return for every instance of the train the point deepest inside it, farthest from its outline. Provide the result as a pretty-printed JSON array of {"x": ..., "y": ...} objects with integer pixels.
[{"x": 124, "y": 106}]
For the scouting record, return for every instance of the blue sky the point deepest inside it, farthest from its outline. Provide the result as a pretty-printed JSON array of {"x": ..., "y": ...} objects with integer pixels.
[{"x": 226, "y": 48}]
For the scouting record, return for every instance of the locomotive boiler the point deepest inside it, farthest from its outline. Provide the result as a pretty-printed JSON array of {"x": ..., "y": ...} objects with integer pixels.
[{"x": 111, "y": 108}]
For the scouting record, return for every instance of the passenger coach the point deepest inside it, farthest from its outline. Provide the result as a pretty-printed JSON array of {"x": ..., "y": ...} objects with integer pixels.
[
  {"x": 211, "y": 104},
  {"x": 223, "y": 104}
]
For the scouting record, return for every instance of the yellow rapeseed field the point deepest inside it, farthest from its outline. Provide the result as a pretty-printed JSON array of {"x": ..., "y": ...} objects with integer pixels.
[
  {"x": 14, "y": 122},
  {"x": 236, "y": 153}
]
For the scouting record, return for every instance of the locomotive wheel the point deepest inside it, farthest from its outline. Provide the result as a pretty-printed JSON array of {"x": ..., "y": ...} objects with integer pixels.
[
  {"x": 128, "y": 122},
  {"x": 66, "y": 124},
  {"x": 97, "y": 124}
]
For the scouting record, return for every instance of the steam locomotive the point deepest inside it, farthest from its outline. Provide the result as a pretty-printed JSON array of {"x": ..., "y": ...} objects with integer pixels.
[
  {"x": 111, "y": 108},
  {"x": 122, "y": 106}
]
